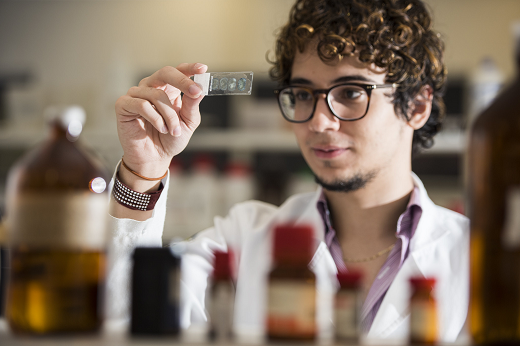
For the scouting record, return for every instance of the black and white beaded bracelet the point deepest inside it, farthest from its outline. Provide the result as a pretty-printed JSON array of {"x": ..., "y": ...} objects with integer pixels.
[{"x": 132, "y": 199}]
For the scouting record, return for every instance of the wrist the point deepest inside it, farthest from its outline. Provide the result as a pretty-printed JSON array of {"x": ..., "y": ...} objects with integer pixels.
[
  {"x": 144, "y": 178},
  {"x": 152, "y": 170}
]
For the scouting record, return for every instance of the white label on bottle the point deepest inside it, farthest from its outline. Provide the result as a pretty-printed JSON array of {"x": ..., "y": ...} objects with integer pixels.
[
  {"x": 346, "y": 315},
  {"x": 291, "y": 308},
  {"x": 511, "y": 231},
  {"x": 69, "y": 220}
]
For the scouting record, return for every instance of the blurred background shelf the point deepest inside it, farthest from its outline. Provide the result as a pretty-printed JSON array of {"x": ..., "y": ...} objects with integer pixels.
[{"x": 239, "y": 140}]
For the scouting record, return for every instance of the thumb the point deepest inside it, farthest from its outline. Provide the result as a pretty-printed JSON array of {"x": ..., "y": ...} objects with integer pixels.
[{"x": 190, "y": 112}]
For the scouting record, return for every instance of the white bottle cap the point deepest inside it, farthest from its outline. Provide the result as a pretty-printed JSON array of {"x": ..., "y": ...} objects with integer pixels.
[{"x": 71, "y": 118}]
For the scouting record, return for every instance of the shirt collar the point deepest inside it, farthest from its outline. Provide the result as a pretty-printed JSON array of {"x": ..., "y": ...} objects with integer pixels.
[{"x": 413, "y": 204}]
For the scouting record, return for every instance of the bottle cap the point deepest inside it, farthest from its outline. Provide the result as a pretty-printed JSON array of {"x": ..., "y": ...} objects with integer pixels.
[
  {"x": 72, "y": 118},
  {"x": 176, "y": 165},
  {"x": 237, "y": 169},
  {"x": 222, "y": 265},
  {"x": 203, "y": 163},
  {"x": 293, "y": 243},
  {"x": 350, "y": 279},
  {"x": 423, "y": 283}
]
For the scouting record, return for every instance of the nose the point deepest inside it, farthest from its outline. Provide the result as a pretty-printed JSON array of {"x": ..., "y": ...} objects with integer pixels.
[{"x": 323, "y": 119}]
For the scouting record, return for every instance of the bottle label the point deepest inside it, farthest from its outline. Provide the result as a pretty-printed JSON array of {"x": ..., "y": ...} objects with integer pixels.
[
  {"x": 291, "y": 309},
  {"x": 511, "y": 232},
  {"x": 346, "y": 314},
  {"x": 68, "y": 220},
  {"x": 423, "y": 321}
]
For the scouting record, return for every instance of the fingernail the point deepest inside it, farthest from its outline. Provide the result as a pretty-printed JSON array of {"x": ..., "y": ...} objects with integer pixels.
[
  {"x": 177, "y": 131},
  {"x": 194, "y": 90},
  {"x": 164, "y": 129},
  {"x": 199, "y": 66}
]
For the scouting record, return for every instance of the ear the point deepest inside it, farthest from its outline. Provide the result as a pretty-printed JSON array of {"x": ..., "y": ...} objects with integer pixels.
[{"x": 421, "y": 108}]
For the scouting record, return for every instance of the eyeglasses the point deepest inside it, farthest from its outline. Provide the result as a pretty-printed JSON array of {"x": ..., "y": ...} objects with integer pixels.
[{"x": 348, "y": 101}]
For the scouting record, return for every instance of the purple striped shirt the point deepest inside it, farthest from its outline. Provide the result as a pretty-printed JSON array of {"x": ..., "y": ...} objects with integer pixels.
[{"x": 406, "y": 226}]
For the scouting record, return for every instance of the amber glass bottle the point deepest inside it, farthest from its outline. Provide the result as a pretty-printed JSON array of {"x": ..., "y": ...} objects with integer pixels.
[
  {"x": 494, "y": 205},
  {"x": 291, "y": 305},
  {"x": 56, "y": 213},
  {"x": 423, "y": 312},
  {"x": 221, "y": 298},
  {"x": 347, "y": 307}
]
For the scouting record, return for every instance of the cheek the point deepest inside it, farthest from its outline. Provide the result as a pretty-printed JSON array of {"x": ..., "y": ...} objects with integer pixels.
[
  {"x": 381, "y": 135},
  {"x": 300, "y": 132}
]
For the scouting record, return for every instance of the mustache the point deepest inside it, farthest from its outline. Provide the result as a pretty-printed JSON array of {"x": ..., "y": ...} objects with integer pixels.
[{"x": 328, "y": 139}]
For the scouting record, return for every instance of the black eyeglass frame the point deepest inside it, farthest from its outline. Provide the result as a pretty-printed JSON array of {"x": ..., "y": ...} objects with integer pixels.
[{"x": 367, "y": 87}]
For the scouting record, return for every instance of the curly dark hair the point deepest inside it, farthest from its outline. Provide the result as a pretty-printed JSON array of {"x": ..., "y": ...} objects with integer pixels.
[{"x": 395, "y": 35}]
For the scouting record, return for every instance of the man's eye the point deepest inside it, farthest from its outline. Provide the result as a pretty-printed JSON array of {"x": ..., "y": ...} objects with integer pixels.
[
  {"x": 351, "y": 94},
  {"x": 302, "y": 95}
]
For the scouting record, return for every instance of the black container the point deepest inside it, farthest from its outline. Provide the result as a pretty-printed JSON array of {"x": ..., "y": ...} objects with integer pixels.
[{"x": 155, "y": 292}]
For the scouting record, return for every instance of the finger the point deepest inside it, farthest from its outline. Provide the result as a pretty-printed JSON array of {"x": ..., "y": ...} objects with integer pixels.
[
  {"x": 177, "y": 78},
  {"x": 189, "y": 112},
  {"x": 191, "y": 69},
  {"x": 159, "y": 99},
  {"x": 134, "y": 107}
]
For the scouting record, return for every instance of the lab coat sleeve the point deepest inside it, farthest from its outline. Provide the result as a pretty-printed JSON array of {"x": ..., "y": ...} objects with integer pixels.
[
  {"x": 227, "y": 233},
  {"x": 124, "y": 235}
]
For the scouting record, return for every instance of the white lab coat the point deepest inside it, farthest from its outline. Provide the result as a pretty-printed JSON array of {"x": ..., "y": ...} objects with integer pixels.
[{"x": 439, "y": 248}]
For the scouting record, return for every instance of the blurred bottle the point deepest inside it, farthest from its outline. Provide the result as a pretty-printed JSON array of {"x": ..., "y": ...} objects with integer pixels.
[
  {"x": 238, "y": 185},
  {"x": 494, "y": 210},
  {"x": 56, "y": 224},
  {"x": 291, "y": 304},
  {"x": 221, "y": 298},
  {"x": 156, "y": 280},
  {"x": 202, "y": 194},
  {"x": 347, "y": 306},
  {"x": 176, "y": 222},
  {"x": 485, "y": 85},
  {"x": 423, "y": 312},
  {"x": 3, "y": 267}
]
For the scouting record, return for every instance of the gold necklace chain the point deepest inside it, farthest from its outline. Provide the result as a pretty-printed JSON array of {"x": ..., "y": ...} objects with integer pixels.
[{"x": 371, "y": 258}]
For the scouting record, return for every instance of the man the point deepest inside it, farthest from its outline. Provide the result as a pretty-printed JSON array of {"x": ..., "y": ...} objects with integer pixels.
[{"x": 359, "y": 79}]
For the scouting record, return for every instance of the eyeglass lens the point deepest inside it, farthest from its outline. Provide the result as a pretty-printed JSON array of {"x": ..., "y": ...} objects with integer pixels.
[{"x": 346, "y": 101}]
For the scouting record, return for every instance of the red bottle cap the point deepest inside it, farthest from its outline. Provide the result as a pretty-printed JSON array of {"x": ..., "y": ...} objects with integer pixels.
[
  {"x": 222, "y": 268},
  {"x": 293, "y": 243},
  {"x": 237, "y": 169},
  {"x": 351, "y": 279},
  {"x": 203, "y": 163},
  {"x": 423, "y": 283}
]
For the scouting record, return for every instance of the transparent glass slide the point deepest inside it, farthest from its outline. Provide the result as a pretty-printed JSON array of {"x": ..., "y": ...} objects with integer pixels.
[{"x": 225, "y": 83}]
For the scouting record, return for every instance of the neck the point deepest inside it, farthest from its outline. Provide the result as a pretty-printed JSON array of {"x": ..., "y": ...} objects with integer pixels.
[{"x": 371, "y": 213}]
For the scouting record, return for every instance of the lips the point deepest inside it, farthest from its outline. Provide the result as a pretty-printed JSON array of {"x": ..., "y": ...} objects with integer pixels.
[{"x": 328, "y": 152}]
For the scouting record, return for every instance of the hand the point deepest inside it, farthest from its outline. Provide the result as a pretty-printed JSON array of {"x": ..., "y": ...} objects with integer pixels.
[{"x": 153, "y": 123}]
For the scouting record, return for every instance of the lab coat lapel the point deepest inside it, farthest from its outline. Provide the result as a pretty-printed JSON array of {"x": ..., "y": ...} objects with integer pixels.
[{"x": 391, "y": 321}]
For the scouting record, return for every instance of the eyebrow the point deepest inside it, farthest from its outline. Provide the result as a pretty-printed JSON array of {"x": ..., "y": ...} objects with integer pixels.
[{"x": 344, "y": 79}]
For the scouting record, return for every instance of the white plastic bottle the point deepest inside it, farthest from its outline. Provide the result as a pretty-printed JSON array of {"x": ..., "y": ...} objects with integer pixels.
[
  {"x": 238, "y": 185},
  {"x": 201, "y": 195},
  {"x": 485, "y": 85}
]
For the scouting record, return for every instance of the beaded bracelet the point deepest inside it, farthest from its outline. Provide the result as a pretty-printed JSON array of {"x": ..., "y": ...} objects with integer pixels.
[{"x": 132, "y": 199}]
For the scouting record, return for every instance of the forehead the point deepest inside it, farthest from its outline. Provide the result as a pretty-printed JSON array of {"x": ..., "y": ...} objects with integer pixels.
[{"x": 308, "y": 65}]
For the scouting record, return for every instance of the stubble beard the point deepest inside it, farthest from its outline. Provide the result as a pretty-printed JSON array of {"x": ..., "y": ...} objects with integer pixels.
[{"x": 353, "y": 183}]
